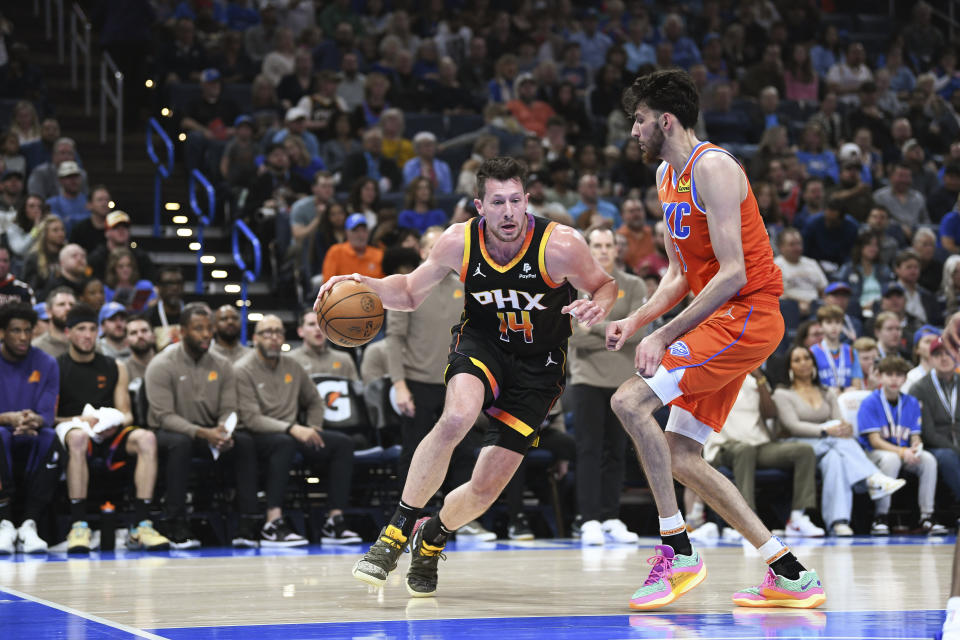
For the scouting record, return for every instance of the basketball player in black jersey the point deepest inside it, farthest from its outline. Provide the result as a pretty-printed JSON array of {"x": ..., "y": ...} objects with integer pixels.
[{"x": 507, "y": 357}]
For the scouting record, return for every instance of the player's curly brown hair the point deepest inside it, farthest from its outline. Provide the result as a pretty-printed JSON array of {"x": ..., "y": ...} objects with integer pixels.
[{"x": 666, "y": 91}]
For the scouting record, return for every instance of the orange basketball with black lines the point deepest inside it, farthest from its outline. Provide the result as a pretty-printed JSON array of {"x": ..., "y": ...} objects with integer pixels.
[{"x": 351, "y": 314}]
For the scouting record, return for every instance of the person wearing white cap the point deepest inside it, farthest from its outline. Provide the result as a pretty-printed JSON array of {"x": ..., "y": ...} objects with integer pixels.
[
  {"x": 71, "y": 203},
  {"x": 924, "y": 179},
  {"x": 529, "y": 112},
  {"x": 44, "y": 179},
  {"x": 296, "y": 125},
  {"x": 116, "y": 235},
  {"x": 426, "y": 165},
  {"x": 853, "y": 189}
]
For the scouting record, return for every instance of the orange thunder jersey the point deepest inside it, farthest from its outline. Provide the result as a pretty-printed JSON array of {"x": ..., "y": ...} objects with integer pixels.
[{"x": 687, "y": 225}]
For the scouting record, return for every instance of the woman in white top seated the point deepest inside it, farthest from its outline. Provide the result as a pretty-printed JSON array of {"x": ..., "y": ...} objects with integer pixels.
[{"x": 809, "y": 412}]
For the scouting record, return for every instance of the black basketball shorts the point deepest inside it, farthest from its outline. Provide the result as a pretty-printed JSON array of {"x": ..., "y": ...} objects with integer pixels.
[{"x": 518, "y": 391}]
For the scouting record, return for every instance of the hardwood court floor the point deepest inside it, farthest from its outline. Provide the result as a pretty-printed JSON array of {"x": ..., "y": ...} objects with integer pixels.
[{"x": 884, "y": 589}]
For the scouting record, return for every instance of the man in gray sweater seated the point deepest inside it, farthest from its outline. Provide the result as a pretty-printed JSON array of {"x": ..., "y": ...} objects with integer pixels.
[{"x": 272, "y": 390}]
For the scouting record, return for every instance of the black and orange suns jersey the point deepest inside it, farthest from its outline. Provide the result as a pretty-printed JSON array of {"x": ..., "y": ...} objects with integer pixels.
[{"x": 517, "y": 304}]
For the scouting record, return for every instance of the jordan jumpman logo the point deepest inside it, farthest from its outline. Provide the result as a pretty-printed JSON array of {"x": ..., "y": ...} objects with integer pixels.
[
  {"x": 550, "y": 360},
  {"x": 479, "y": 273}
]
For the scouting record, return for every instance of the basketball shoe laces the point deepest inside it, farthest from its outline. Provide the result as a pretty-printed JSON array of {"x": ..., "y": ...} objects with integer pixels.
[
  {"x": 385, "y": 555},
  {"x": 425, "y": 560},
  {"x": 662, "y": 569}
]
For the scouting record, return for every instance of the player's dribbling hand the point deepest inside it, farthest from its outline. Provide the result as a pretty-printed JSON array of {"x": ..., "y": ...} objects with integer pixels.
[
  {"x": 325, "y": 288},
  {"x": 649, "y": 354},
  {"x": 587, "y": 312}
]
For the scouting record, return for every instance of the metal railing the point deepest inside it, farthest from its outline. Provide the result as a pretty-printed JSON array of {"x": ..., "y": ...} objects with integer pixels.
[
  {"x": 60, "y": 39},
  {"x": 164, "y": 168},
  {"x": 949, "y": 16},
  {"x": 81, "y": 42},
  {"x": 247, "y": 275},
  {"x": 203, "y": 221},
  {"x": 115, "y": 97}
]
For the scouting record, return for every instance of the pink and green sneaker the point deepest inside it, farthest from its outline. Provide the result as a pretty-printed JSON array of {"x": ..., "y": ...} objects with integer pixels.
[
  {"x": 806, "y": 592},
  {"x": 672, "y": 576}
]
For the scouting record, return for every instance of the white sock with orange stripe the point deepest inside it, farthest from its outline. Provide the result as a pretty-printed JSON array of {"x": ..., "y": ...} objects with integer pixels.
[
  {"x": 672, "y": 525},
  {"x": 773, "y": 549},
  {"x": 673, "y": 533},
  {"x": 779, "y": 558}
]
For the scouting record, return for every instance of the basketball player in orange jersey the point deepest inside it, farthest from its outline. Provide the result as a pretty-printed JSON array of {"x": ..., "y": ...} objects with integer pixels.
[
  {"x": 507, "y": 357},
  {"x": 718, "y": 250}
]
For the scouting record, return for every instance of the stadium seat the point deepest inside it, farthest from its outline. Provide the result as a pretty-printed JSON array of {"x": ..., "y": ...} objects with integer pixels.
[{"x": 432, "y": 122}]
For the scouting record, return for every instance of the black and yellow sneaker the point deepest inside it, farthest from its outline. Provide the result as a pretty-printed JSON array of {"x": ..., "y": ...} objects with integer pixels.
[
  {"x": 382, "y": 557},
  {"x": 422, "y": 575}
]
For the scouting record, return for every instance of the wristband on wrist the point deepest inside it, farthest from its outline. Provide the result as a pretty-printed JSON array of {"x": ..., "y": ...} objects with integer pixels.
[{"x": 290, "y": 428}]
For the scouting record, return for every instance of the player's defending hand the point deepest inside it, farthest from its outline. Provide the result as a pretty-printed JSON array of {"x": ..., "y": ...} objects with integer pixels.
[
  {"x": 587, "y": 312},
  {"x": 325, "y": 288},
  {"x": 618, "y": 332},
  {"x": 649, "y": 354}
]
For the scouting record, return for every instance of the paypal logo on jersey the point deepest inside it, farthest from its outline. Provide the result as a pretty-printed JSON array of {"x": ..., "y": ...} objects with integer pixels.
[{"x": 673, "y": 215}]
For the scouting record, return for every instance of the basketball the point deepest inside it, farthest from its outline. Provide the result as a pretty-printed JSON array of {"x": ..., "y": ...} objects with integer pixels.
[{"x": 351, "y": 314}]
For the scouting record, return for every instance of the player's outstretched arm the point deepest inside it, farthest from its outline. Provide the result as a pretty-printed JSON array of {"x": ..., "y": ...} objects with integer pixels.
[
  {"x": 568, "y": 257},
  {"x": 406, "y": 292}
]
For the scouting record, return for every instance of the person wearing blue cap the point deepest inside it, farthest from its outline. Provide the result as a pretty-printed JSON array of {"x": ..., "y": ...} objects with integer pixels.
[
  {"x": 43, "y": 319},
  {"x": 839, "y": 293},
  {"x": 238, "y": 163},
  {"x": 113, "y": 331},
  {"x": 354, "y": 255},
  {"x": 837, "y": 363}
]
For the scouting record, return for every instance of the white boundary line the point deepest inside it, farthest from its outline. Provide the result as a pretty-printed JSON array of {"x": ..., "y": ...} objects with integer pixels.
[{"x": 140, "y": 633}]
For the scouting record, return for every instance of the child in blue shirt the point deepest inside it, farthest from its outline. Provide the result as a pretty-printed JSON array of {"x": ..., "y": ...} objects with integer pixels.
[
  {"x": 889, "y": 426},
  {"x": 837, "y": 364}
]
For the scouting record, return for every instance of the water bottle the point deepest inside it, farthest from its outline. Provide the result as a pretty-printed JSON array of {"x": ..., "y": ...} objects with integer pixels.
[{"x": 108, "y": 522}]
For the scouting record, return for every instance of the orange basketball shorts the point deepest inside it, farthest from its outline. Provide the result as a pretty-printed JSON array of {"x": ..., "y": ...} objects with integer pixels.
[{"x": 709, "y": 363}]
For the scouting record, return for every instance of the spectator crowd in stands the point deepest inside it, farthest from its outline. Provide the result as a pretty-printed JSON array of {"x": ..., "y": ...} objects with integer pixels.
[{"x": 349, "y": 133}]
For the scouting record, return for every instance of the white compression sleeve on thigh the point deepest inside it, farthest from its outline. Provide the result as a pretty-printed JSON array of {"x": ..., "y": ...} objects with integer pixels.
[{"x": 682, "y": 421}]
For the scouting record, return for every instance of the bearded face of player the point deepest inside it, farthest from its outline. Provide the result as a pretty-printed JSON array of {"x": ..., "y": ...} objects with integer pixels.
[
  {"x": 646, "y": 131},
  {"x": 504, "y": 207},
  {"x": 83, "y": 337}
]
